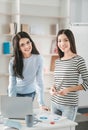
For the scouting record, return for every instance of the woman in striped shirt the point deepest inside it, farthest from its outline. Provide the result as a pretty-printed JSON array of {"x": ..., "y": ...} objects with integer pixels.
[{"x": 68, "y": 68}]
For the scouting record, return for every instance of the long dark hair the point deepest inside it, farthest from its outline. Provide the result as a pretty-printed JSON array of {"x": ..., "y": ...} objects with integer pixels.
[
  {"x": 18, "y": 57},
  {"x": 71, "y": 38}
]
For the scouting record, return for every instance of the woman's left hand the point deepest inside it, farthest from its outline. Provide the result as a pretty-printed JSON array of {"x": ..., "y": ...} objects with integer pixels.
[
  {"x": 44, "y": 108},
  {"x": 63, "y": 92}
]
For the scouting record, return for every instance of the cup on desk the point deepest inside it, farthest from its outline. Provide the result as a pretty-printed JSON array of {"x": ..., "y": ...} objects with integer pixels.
[{"x": 29, "y": 120}]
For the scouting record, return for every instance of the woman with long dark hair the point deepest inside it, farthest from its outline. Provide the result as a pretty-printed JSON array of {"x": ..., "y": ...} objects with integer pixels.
[
  {"x": 68, "y": 68},
  {"x": 26, "y": 69}
]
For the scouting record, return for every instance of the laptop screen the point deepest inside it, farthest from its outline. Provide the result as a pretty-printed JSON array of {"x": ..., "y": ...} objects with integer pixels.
[{"x": 16, "y": 107}]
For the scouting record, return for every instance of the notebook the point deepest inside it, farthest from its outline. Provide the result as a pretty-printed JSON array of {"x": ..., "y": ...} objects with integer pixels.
[{"x": 16, "y": 107}]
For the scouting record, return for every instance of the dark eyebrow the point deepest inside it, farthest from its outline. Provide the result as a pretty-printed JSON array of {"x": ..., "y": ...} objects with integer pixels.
[{"x": 26, "y": 41}]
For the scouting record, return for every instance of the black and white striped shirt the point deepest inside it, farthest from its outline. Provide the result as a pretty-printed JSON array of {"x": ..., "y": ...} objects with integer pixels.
[{"x": 66, "y": 74}]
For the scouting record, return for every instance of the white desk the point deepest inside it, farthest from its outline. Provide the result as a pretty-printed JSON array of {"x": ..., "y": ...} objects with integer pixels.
[{"x": 62, "y": 124}]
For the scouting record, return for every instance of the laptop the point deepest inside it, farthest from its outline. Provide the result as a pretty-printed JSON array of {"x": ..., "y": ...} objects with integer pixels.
[{"x": 16, "y": 107}]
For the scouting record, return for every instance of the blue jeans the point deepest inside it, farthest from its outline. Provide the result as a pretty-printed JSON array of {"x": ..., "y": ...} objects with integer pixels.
[
  {"x": 27, "y": 95},
  {"x": 63, "y": 110}
]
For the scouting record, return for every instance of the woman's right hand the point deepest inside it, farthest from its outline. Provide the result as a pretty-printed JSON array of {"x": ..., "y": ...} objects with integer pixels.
[{"x": 53, "y": 91}]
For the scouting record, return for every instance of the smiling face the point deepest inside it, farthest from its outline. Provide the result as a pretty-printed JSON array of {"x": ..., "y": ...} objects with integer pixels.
[
  {"x": 63, "y": 43},
  {"x": 25, "y": 47}
]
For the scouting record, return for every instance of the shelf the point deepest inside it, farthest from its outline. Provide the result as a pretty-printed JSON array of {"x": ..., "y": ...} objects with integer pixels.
[
  {"x": 6, "y": 35},
  {"x": 54, "y": 3},
  {"x": 3, "y": 94},
  {"x": 9, "y": 55},
  {"x": 45, "y": 73},
  {"x": 6, "y": 55},
  {"x": 34, "y": 15},
  {"x": 2, "y": 13},
  {"x": 46, "y": 16},
  {"x": 40, "y": 5},
  {"x": 50, "y": 55},
  {"x": 79, "y": 24}
]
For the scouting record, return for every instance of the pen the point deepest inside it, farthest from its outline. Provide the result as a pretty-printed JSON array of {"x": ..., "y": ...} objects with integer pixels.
[{"x": 43, "y": 117}]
